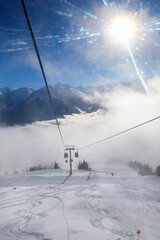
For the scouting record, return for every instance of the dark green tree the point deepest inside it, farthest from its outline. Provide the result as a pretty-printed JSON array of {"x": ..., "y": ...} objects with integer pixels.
[
  {"x": 83, "y": 165},
  {"x": 158, "y": 171},
  {"x": 56, "y": 166}
]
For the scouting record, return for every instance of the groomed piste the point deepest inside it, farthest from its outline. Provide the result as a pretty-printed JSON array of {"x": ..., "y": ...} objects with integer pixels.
[{"x": 37, "y": 205}]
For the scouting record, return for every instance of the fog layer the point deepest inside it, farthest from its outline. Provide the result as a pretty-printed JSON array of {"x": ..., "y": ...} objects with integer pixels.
[{"x": 125, "y": 107}]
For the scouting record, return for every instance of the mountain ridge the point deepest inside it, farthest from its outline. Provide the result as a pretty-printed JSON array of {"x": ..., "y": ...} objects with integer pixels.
[{"x": 25, "y": 105}]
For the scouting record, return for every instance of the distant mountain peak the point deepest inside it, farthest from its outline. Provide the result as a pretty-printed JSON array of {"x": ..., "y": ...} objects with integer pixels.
[
  {"x": 5, "y": 90},
  {"x": 25, "y": 105}
]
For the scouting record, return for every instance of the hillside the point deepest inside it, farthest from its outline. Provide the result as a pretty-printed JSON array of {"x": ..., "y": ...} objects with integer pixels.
[
  {"x": 25, "y": 105},
  {"x": 37, "y": 206}
]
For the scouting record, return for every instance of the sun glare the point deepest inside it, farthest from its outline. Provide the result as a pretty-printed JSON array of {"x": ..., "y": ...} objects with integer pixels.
[{"x": 122, "y": 28}]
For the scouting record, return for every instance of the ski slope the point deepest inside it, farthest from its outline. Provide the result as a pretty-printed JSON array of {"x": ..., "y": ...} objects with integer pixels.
[{"x": 37, "y": 206}]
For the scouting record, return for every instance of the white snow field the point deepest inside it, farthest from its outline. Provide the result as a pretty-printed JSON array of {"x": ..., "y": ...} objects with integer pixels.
[{"x": 36, "y": 205}]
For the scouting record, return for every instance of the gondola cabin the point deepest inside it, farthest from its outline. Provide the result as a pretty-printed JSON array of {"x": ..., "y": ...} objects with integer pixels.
[
  {"x": 65, "y": 155},
  {"x": 76, "y": 154}
]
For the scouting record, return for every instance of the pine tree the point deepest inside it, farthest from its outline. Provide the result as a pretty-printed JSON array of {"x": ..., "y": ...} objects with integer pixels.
[
  {"x": 56, "y": 166},
  {"x": 158, "y": 171},
  {"x": 83, "y": 165}
]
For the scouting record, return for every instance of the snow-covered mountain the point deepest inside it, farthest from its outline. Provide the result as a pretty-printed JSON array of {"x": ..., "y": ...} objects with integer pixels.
[
  {"x": 25, "y": 105},
  {"x": 5, "y": 90}
]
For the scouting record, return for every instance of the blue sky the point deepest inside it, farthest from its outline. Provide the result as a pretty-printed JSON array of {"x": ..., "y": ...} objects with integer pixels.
[{"x": 74, "y": 42}]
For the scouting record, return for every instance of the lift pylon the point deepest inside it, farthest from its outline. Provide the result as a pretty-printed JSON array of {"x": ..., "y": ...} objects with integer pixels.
[{"x": 70, "y": 148}]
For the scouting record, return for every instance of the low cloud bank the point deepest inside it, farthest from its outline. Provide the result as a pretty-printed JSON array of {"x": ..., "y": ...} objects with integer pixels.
[{"x": 40, "y": 143}]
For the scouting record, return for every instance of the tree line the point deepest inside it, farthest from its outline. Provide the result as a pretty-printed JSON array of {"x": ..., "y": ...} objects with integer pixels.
[
  {"x": 81, "y": 166},
  {"x": 44, "y": 167},
  {"x": 144, "y": 169}
]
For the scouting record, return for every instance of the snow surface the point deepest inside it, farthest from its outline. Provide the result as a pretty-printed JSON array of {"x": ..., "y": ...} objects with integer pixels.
[{"x": 37, "y": 206}]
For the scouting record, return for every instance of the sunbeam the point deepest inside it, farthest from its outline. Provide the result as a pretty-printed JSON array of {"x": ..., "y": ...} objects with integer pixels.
[{"x": 136, "y": 68}]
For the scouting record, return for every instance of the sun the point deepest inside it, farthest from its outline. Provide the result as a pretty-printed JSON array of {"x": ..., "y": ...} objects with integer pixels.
[{"x": 122, "y": 28}]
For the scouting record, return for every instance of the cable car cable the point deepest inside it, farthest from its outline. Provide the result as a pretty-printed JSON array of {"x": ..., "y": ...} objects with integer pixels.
[
  {"x": 117, "y": 134},
  {"x": 41, "y": 66}
]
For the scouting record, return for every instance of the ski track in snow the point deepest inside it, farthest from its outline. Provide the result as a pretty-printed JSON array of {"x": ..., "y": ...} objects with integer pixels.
[{"x": 84, "y": 207}]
